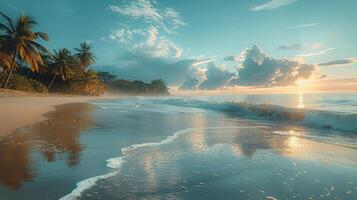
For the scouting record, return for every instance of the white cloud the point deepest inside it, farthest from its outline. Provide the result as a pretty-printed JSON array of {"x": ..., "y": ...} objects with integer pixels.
[
  {"x": 303, "y": 26},
  {"x": 124, "y": 35},
  {"x": 157, "y": 46},
  {"x": 216, "y": 77},
  {"x": 204, "y": 61},
  {"x": 194, "y": 78},
  {"x": 273, "y": 4},
  {"x": 168, "y": 19},
  {"x": 145, "y": 37},
  {"x": 342, "y": 62},
  {"x": 258, "y": 69},
  {"x": 316, "y": 53},
  {"x": 210, "y": 77}
]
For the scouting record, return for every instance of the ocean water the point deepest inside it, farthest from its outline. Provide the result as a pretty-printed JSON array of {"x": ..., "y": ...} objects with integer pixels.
[{"x": 205, "y": 147}]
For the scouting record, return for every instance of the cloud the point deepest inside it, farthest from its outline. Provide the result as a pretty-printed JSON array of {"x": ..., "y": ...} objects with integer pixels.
[
  {"x": 216, "y": 77},
  {"x": 157, "y": 46},
  {"x": 258, "y": 69},
  {"x": 293, "y": 47},
  {"x": 125, "y": 35},
  {"x": 303, "y": 26},
  {"x": 236, "y": 58},
  {"x": 168, "y": 19},
  {"x": 317, "y": 53},
  {"x": 194, "y": 78},
  {"x": 241, "y": 57},
  {"x": 190, "y": 83},
  {"x": 145, "y": 37},
  {"x": 342, "y": 62},
  {"x": 207, "y": 78},
  {"x": 273, "y": 4},
  {"x": 146, "y": 41},
  {"x": 138, "y": 66},
  {"x": 204, "y": 62}
]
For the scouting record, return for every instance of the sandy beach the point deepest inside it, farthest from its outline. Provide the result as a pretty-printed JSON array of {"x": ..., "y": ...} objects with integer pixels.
[{"x": 21, "y": 109}]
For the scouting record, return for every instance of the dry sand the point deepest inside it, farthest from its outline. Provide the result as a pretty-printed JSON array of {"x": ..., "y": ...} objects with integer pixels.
[{"x": 20, "y": 109}]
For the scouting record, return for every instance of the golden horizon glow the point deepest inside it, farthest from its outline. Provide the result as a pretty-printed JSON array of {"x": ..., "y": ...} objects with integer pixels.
[{"x": 302, "y": 86}]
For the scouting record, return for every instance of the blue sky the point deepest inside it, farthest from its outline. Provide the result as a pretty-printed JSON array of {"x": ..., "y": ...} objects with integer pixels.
[{"x": 184, "y": 40}]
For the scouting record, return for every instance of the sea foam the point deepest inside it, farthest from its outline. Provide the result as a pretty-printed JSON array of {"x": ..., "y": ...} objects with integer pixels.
[
  {"x": 116, "y": 163},
  {"x": 90, "y": 182}
]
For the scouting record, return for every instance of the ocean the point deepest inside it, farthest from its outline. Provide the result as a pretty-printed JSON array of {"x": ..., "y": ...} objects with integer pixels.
[{"x": 291, "y": 146}]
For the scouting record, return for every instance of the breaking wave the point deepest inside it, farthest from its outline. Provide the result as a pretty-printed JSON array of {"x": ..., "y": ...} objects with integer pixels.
[{"x": 305, "y": 117}]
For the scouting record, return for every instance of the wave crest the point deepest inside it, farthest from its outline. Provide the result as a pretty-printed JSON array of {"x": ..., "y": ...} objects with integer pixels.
[{"x": 305, "y": 117}]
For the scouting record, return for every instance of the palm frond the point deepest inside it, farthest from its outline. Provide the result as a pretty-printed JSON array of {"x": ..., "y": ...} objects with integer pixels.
[
  {"x": 42, "y": 35},
  {"x": 39, "y": 46},
  {"x": 9, "y": 21},
  {"x": 5, "y": 28}
]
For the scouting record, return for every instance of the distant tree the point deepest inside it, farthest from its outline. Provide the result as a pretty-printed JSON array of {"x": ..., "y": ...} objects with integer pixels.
[
  {"x": 158, "y": 85},
  {"x": 84, "y": 55},
  {"x": 87, "y": 83},
  {"x": 61, "y": 64},
  {"x": 155, "y": 87},
  {"x": 19, "y": 42},
  {"x": 106, "y": 77}
]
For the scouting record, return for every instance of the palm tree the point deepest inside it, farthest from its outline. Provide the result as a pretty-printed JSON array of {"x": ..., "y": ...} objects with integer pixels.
[
  {"x": 84, "y": 55},
  {"x": 87, "y": 84},
  {"x": 20, "y": 42},
  {"x": 61, "y": 64},
  {"x": 5, "y": 61}
]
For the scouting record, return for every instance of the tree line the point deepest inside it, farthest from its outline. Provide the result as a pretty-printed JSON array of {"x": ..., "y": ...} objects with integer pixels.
[{"x": 25, "y": 64}]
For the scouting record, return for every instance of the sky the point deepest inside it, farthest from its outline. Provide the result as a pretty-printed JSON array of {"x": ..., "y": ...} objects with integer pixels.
[{"x": 206, "y": 44}]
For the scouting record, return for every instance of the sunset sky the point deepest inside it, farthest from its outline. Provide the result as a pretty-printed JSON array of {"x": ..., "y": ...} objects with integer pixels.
[{"x": 206, "y": 44}]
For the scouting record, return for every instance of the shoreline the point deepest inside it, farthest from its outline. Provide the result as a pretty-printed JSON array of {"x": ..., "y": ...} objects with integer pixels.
[{"x": 21, "y": 109}]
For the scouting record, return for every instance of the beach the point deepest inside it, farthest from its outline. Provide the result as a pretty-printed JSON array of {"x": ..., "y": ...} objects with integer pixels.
[
  {"x": 20, "y": 109},
  {"x": 180, "y": 148}
]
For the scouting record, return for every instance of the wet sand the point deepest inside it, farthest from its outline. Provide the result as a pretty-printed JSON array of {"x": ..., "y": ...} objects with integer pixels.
[{"x": 21, "y": 109}]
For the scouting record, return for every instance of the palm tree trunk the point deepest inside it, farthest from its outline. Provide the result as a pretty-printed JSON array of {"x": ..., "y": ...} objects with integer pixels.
[
  {"x": 53, "y": 80},
  {"x": 11, "y": 70}
]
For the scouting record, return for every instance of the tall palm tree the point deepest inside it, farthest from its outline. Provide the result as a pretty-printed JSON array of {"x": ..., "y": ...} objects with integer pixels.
[
  {"x": 84, "y": 55},
  {"x": 20, "y": 42},
  {"x": 61, "y": 64}
]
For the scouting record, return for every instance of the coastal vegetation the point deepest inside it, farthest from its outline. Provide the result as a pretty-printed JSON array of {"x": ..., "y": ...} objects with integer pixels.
[
  {"x": 155, "y": 87},
  {"x": 27, "y": 65}
]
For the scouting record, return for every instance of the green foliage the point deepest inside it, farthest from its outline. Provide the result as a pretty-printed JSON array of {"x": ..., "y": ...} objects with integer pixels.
[
  {"x": 18, "y": 82},
  {"x": 82, "y": 83},
  {"x": 84, "y": 55},
  {"x": 106, "y": 77},
  {"x": 18, "y": 41},
  {"x": 62, "y": 64},
  {"x": 95, "y": 88},
  {"x": 156, "y": 87}
]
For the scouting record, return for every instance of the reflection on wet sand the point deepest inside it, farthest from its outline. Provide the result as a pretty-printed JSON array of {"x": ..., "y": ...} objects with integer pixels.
[
  {"x": 300, "y": 148},
  {"x": 247, "y": 141},
  {"x": 58, "y": 134},
  {"x": 15, "y": 163}
]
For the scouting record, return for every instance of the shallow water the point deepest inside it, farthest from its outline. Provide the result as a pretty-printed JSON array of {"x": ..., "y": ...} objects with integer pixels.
[{"x": 158, "y": 149}]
